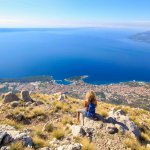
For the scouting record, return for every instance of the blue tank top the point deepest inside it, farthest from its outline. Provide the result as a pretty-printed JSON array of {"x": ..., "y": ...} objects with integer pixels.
[{"x": 91, "y": 110}]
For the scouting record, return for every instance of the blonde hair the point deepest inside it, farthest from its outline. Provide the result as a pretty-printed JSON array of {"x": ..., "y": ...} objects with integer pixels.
[{"x": 90, "y": 97}]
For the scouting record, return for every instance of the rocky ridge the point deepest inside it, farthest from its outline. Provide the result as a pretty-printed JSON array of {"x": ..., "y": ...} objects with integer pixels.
[{"x": 41, "y": 121}]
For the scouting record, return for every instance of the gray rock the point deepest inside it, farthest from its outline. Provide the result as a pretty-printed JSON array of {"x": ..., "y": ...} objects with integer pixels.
[
  {"x": 19, "y": 136},
  {"x": 7, "y": 139},
  {"x": 2, "y": 135},
  {"x": 15, "y": 103},
  {"x": 90, "y": 123},
  {"x": 10, "y": 134},
  {"x": 28, "y": 103},
  {"x": 5, "y": 148},
  {"x": 45, "y": 148},
  {"x": 25, "y": 96},
  {"x": 19, "y": 117},
  {"x": 10, "y": 97},
  {"x": 37, "y": 103},
  {"x": 111, "y": 129},
  {"x": 120, "y": 128},
  {"x": 119, "y": 117},
  {"x": 77, "y": 130},
  {"x": 76, "y": 146}
]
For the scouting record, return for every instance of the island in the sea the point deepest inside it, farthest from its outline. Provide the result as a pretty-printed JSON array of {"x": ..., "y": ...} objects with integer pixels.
[
  {"x": 76, "y": 79},
  {"x": 141, "y": 37}
]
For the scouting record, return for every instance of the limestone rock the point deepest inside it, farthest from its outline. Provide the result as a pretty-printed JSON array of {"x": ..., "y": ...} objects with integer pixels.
[
  {"x": 5, "y": 148},
  {"x": 7, "y": 139},
  {"x": 15, "y": 103},
  {"x": 77, "y": 130},
  {"x": 2, "y": 135},
  {"x": 10, "y": 97},
  {"x": 28, "y": 103},
  {"x": 45, "y": 148},
  {"x": 37, "y": 103},
  {"x": 10, "y": 134},
  {"x": 119, "y": 117},
  {"x": 25, "y": 96},
  {"x": 76, "y": 146},
  {"x": 90, "y": 123}
]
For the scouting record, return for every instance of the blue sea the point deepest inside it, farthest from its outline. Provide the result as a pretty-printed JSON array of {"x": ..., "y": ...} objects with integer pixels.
[{"x": 106, "y": 55}]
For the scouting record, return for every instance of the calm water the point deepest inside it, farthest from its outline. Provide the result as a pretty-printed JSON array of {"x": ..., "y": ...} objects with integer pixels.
[{"x": 106, "y": 55}]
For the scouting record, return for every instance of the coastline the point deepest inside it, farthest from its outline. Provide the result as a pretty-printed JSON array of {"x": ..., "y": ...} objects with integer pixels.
[{"x": 65, "y": 81}]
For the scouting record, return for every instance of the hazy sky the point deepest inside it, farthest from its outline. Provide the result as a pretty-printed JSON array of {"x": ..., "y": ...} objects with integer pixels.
[{"x": 68, "y": 13}]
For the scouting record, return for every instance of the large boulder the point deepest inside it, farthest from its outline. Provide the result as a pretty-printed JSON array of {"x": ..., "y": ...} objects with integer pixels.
[
  {"x": 26, "y": 96},
  {"x": 90, "y": 123},
  {"x": 123, "y": 122},
  {"x": 10, "y": 97},
  {"x": 77, "y": 130},
  {"x": 95, "y": 123}
]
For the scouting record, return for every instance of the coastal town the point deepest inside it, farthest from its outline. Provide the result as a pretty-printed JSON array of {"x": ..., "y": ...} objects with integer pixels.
[{"x": 135, "y": 94}]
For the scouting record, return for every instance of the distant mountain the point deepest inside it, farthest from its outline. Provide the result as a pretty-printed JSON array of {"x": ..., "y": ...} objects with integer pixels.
[{"x": 141, "y": 37}]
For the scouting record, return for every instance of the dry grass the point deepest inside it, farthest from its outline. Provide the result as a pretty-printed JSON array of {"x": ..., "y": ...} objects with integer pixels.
[
  {"x": 145, "y": 136},
  {"x": 12, "y": 123},
  {"x": 67, "y": 120},
  {"x": 58, "y": 134},
  {"x": 38, "y": 142},
  {"x": 17, "y": 146},
  {"x": 87, "y": 145},
  {"x": 49, "y": 127},
  {"x": 65, "y": 112},
  {"x": 134, "y": 144},
  {"x": 37, "y": 111}
]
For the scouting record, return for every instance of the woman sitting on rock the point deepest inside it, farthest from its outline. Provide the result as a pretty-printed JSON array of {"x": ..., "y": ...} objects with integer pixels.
[{"x": 90, "y": 104}]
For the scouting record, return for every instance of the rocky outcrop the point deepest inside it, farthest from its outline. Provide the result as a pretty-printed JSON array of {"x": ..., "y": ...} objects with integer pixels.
[
  {"x": 100, "y": 132},
  {"x": 10, "y": 97},
  {"x": 65, "y": 144},
  {"x": 25, "y": 96},
  {"x": 76, "y": 146},
  {"x": 123, "y": 122},
  {"x": 77, "y": 130},
  {"x": 9, "y": 134}
]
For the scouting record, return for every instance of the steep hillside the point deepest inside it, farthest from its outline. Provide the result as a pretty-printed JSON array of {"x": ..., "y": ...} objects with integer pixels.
[{"x": 49, "y": 122}]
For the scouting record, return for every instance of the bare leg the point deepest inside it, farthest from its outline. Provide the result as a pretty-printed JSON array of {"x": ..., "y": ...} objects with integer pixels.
[{"x": 78, "y": 116}]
